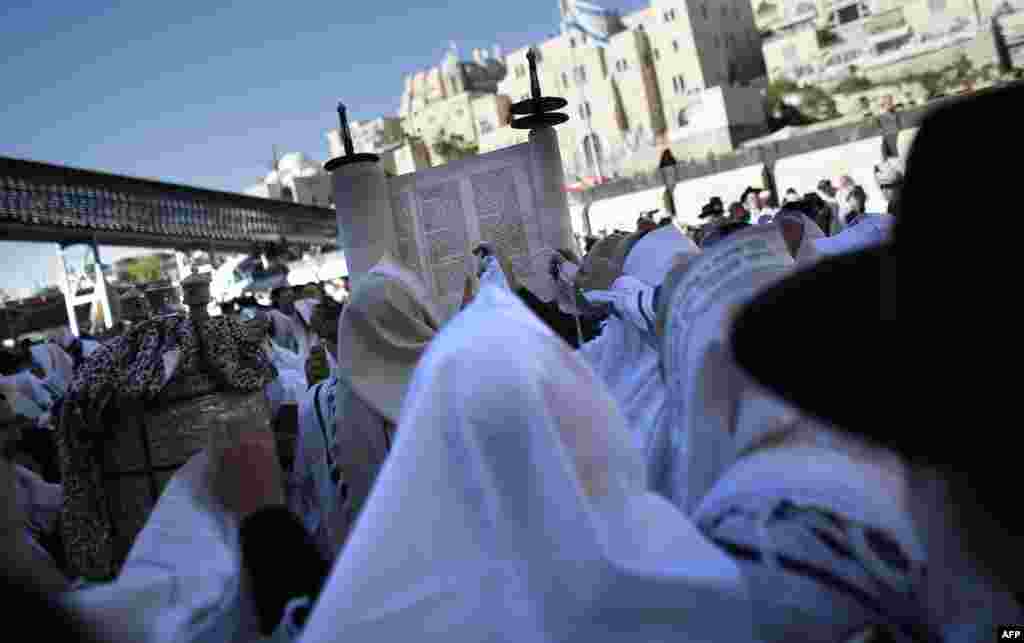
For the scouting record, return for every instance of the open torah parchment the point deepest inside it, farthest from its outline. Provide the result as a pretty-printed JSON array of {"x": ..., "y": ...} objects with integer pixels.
[{"x": 512, "y": 198}]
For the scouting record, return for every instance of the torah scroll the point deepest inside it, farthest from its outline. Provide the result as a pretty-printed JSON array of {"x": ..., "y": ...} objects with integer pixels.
[{"x": 513, "y": 198}]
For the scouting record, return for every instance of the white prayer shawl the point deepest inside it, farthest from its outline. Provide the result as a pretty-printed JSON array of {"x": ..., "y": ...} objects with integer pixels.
[
  {"x": 513, "y": 508},
  {"x": 703, "y": 383},
  {"x": 869, "y": 230},
  {"x": 313, "y": 493},
  {"x": 961, "y": 598},
  {"x": 57, "y": 364},
  {"x": 359, "y": 446},
  {"x": 364, "y": 435},
  {"x": 303, "y": 319},
  {"x": 289, "y": 332},
  {"x": 625, "y": 357},
  {"x": 738, "y": 450},
  {"x": 182, "y": 580},
  {"x": 40, "y": 503},
  {"x": 290, "y": 384},
  {"x": 806, "y": 253},
  {"x": 31, "y": 388}
]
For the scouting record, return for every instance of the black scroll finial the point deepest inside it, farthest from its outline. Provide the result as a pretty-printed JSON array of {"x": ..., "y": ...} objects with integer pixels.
[
  {"x": 531, "y": 58},
  {"x": 350, "y": 155},
  {"x": 346, "y": 134},
  {"x": 539, "y": 111}
]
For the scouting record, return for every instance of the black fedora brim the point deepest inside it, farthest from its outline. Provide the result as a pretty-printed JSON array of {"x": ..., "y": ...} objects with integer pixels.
[{"x": 813, "y": 338}]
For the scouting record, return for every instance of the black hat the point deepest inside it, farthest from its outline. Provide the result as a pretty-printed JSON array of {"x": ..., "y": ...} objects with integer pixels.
[
  {"x": 709, "y": 210},
  {"x": 889, "y": 342}
]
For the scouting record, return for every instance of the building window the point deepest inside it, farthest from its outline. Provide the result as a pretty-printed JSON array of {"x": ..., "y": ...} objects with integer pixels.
[
  {"x": 675, "y": 46},
  {"x": 580, "y": 74},
  {"x": 572, "y": 43},
  {"x": 640, "y": 27},
  {"x": 622, "y": 65},
  {"x": 681, "y": 119},
  {"x": 725, "y": 12},
  {"x": 565, "y": 80},
  {"x": 486, "y": 127},
  {"x": 678, "y": 84},
  {"x": 704, "y": 11},
  {"x": 585, "y": 111},
  {"x": 670, "y": 15}
]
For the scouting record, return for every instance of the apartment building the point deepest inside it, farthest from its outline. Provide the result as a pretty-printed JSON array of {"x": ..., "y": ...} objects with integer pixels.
[
  {"x": 673, "y": 72},
  {"x": 819, "y": 40}
]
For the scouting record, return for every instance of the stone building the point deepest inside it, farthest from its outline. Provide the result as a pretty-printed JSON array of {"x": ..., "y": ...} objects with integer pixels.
[
  {"x": 819, "y": 40},
  {"x": 373, "y": 136},
  {"x": 450, "y": 107},
  {"x": 296, "y": 178},
  {"x": 674, "y": 72}
]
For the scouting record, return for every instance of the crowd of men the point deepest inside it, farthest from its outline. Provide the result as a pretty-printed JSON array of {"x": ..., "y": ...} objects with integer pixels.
[{"x": 740, "y": 435}]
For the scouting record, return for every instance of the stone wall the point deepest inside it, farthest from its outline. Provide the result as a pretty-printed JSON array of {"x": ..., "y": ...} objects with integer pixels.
[{"x": 887, "y": 126}]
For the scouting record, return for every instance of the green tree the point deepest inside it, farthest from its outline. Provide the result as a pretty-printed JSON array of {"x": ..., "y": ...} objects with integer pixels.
[
  {"x": 453, "y": 146},
  {"x": 963, "y": 67},
  {"x": 777, "y": 90},
  {"x": 852, "y": 84},
  {"x": 143, "y": 269}
]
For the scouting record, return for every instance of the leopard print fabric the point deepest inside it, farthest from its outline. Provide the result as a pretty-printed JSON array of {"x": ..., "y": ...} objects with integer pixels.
[{"x": 130, "y": 369}]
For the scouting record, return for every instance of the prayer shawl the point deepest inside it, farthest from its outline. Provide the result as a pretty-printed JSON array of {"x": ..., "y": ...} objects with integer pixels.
[
  {"x": 57, "y": 364},
  {"x": 868, "y": 230},
  {"x": 135, "y": 367},
  {"x": 820, "y": 528},
  {"x": 283, "y": 330},
  {"x": 26, "y": 509},
  {"x": 290, "y": 384},
  {"x": 32, "y": 390},
  {"x": 801, "y": 234},
  {"x": 382, "y": 333},
  {"x": 182, "y": 581},
  {"x": 39, "y": 503},
  {"x": 513, "y": 508},
  {"x": 962, "y": 599},
  {"x": 315, "y": 486},
  {"x": 625, "y": 356}
]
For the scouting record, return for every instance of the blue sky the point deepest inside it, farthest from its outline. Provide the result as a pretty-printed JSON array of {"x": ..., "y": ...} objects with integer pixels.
[{"x": 197, "y": 91}]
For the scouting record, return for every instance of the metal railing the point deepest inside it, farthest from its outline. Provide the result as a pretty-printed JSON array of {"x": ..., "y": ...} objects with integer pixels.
[{"x": 45, "y": 202}]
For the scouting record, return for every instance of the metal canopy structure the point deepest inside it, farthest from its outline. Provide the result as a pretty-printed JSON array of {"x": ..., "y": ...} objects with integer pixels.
[
  {"x": 70, "y": 206},
  {"x": 45, "y": 202}
]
